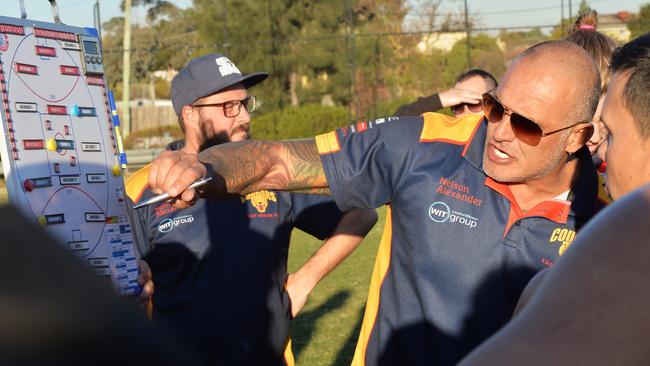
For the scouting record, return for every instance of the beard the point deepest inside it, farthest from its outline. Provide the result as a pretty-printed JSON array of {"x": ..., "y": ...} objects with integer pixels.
[
  {"x": 548, "y": 163},
  {"x": 210, "y": 139}
]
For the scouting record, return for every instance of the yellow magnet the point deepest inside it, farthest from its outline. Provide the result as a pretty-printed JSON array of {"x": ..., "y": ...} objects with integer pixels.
[{"x": 51, "y": 144}]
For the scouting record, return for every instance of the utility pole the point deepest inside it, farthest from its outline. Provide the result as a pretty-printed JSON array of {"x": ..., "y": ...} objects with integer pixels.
[
  {"x": 469, "y": 52},
  {"x": 349, "y": 37},
  {"x": 126, "y": 71},
  {"x": 226, "y": 44},
  {"x": 97, "y": 19},
  {"x": 562, "y": 17}
]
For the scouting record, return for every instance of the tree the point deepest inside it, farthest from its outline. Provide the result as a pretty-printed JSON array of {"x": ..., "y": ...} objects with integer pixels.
[
  {"x": 641, "y": 23},
  {"x": 309, "y": 47},
  {"x": 164, "y": 41},
  {"x": 156, "y": 8},
  {"x": 514, "y": 42},
  {"x": 584, "y": 7},
  {"x": 486, "y": 55}
]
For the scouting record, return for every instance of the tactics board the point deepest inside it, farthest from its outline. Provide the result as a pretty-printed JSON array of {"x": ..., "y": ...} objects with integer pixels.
[{"x": 59, "y": 146}]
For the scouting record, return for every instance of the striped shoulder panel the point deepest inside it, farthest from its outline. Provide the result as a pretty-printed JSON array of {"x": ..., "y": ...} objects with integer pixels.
[
  {"x": 603, "y": 196},
  {"x": 442, "y": 128},
  {"x": 137, "y": 183}
]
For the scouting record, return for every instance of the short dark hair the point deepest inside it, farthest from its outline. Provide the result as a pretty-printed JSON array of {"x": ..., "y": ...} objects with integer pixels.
[
  {"x": 478, "y": 72},
  {"x": 634, "y": 58}
]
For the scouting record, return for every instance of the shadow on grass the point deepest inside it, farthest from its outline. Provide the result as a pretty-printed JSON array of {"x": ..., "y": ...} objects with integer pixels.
[
  {"x": 304, "y": 326},
  {"x": 345, "y": 354}
]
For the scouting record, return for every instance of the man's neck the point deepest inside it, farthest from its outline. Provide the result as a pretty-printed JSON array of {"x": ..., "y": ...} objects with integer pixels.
[{"x": 532, "y": 193}]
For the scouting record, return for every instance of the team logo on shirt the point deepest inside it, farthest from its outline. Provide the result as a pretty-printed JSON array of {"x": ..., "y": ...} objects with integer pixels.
[
  {"x": 563, "y": 236},
  {"x": 440, "y": 212},
  {"x": 260, "y": 200},
  {"x": 168, "y": 225}
]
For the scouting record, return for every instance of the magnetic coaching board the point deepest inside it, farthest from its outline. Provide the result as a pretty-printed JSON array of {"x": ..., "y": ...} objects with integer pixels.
[{"x": 59, "y": 146}]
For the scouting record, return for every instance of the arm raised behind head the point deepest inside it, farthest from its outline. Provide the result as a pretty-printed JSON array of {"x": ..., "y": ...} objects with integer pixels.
[{"x": 240, "y": 168}]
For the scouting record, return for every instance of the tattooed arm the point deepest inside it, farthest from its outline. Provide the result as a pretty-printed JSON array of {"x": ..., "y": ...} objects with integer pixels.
[{"x": 241, "y": 167}]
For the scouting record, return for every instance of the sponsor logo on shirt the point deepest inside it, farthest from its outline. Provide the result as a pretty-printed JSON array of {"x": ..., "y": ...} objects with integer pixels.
[
  {"x": 168, "y": 225},
  {"x": 260, "y": 200},
  {"x": 164, "y": 209},
  {"x": 440, "y": 212},
  {"x": 457, "y": 191},
  {"x": 563, "y": 236},
  {"x": 547, "y": 262}
]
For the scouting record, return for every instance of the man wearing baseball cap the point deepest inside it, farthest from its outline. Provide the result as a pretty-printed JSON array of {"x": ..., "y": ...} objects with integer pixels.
[{"x": 220, "y": 267}]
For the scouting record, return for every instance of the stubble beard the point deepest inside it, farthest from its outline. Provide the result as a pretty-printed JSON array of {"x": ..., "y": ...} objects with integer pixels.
[{"x": 551, "y": 162}]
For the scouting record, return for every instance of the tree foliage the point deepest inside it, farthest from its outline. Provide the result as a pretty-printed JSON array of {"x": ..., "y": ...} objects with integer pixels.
[
  {"x": 640, "y": 25},
  {"x": 163, "y": 41},
  {"x": 353, "y": 54}
]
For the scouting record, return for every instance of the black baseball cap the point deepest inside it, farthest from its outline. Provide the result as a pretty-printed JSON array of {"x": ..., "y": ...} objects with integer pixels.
[{"x": 207, "y": 75}]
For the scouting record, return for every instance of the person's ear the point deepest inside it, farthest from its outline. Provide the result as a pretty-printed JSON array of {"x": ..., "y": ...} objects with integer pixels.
[
  {"x": 190, "y": 118},
  {"x": 579, "y": 137}
]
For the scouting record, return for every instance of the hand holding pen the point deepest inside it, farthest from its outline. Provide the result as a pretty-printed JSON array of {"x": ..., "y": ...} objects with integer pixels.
[
  {"x": 175, "y": 173},
  {"x": 165, "y": 196}
]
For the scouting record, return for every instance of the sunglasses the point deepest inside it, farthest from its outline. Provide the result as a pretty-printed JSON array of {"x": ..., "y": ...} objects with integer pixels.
[
  {"x": 460, "y": 108},
  {"x": 525, "y": 129}
]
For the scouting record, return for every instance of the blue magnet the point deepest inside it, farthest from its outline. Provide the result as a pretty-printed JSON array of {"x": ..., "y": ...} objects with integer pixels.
[{"x": 74, "y": 110}]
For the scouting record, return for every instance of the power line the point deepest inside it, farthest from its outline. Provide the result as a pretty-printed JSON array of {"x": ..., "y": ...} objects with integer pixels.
[
  {"x": 334, "y": 37},
  {"x": 497, "y": 12}
]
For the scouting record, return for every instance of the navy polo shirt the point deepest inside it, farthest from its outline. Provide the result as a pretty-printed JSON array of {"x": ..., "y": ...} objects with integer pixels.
[
  {"x": 457, "y": 250},
  {"x": 219, "y": 268}
]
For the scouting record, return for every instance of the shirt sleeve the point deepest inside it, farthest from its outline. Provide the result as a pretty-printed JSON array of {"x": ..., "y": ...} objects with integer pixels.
[
  {"x": 365, "y": 162},
  {"x": 423, "y": 105},
  {"x": 139, "y": 229},
  {"x": 316, "y": 215}
]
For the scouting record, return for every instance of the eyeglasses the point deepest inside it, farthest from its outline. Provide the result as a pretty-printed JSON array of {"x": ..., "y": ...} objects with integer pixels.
[
  {"x": 460, "y": 108},
  {"x": 232, "y": 108},
  {"x": 524, "y": 128}
]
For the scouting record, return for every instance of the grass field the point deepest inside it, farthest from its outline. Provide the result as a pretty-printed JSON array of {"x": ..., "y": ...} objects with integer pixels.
[{"x": 326, "y": 330}]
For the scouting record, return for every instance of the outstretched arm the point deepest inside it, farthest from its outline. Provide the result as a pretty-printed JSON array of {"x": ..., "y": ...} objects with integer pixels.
[{"x": 240, "y": 168}]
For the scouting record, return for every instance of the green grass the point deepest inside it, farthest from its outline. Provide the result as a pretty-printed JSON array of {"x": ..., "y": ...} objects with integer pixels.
[{"x": 325, "y": 332}]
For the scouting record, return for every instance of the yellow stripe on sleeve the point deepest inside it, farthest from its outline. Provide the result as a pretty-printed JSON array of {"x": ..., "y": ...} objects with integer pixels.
[{"x": 328, "y": 143}]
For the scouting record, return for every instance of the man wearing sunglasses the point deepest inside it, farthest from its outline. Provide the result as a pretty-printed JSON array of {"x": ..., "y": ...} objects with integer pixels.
[
  {"x": 463, "y": 99},
  {"x": 477, "y": 205},
  {"x": 220, "y": 267},
  {"x": 592, "y": 308}
]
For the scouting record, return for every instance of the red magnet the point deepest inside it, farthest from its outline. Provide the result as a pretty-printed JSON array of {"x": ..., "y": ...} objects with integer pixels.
[{"x": 28, "y": 185}]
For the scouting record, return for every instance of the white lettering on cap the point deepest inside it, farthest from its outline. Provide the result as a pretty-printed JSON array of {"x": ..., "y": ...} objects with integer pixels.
[{"x": 226, "y": 67}]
